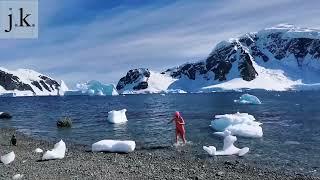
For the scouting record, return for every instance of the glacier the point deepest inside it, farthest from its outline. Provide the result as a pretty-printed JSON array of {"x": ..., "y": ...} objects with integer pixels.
[
  {"x": 248, "y": 99},
  {"x": 239, "y": 124}
]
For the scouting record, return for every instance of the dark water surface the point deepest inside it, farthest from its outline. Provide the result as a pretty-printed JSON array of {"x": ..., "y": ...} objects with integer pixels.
[{"x": 291, "y": 122}]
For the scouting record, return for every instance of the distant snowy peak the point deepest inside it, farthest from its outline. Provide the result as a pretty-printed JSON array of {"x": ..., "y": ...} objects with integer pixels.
[
  {"x": 279, "y": 58},
  {"x": 25, "y": 82},
  {"x": 137, "y": 79},
  {"x": 144, "y": 81}
]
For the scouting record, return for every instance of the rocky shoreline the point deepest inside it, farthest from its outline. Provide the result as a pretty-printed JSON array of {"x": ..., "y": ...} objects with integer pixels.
[{"x": 165, "y": 163}]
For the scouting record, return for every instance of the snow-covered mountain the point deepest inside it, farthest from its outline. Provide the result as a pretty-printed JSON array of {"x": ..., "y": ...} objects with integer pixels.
[
  {"x": 280, "y": 58},
  {"x": 144, "y": 81},
  {"x": 25, "y": 82}
]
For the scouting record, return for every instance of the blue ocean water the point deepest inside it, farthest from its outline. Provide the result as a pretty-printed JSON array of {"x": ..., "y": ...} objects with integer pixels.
[{"x": 291, "y": 122}]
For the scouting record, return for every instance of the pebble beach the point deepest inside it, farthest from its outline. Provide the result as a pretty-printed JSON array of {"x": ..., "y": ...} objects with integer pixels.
[{"x": 163, "y": 163}]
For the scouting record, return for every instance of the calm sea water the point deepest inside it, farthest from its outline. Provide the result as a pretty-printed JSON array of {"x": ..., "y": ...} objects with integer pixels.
[{"x": 291, "y": 122}]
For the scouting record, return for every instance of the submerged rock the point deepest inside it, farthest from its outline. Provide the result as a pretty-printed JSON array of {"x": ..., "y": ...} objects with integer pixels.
[
  {"x": 5, "y": 115},
  {"x": 65, "y": 122}
]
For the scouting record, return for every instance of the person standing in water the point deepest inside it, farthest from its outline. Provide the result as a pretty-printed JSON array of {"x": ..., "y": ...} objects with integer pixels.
[{"x": 180, "y": 130}]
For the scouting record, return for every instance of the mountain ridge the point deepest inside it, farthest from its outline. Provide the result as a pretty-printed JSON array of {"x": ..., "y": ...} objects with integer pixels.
[
  {"x": 26, "y": 82},
  {"x": 285, "y": 52}
]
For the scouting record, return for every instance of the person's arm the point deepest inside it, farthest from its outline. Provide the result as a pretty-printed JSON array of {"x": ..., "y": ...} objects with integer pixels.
[
  {"x": 171, "y": 121},
  {"x": 182, "y": 123}
]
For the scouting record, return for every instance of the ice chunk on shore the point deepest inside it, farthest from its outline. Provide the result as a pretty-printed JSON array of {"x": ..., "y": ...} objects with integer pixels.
[
  {"x": 38, "y": 150},
  {"x": 117, "y": 117},
  {"x": 17, "y": 176},
  {"x": 240, "y": 124},
  {"x": 114, "y": 146},
  {"x": 58, "y": 152},
  {"x": 248, "y": 99},
  {"x": 228, "y": 147},
  {"x": 8, "y": 158}
]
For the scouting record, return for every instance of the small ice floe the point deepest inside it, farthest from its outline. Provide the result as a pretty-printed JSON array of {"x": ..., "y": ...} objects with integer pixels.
[
  {"x": 248, "y": 99},
  {"x": 291, "y": 143},
  {"x": 38, "y": 150},
  {"x": 17, "y": 176},
  {"x": 117, "y": 117},
  {"x": 8, "y": 158},
  {"x": 239, "y": 124},
  {"x": 162, "y": 94},
  {"x": 114, "y": 146},
  {"x": 228, "y": 147},
  {"x": 58, "y": 152}
]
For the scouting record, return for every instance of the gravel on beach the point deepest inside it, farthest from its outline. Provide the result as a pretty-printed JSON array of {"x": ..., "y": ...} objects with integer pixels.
[{"x": 165, "y": 163}]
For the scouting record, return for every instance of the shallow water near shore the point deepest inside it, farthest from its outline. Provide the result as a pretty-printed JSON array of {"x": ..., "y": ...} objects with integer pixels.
[{"x": 291, "y": 122}]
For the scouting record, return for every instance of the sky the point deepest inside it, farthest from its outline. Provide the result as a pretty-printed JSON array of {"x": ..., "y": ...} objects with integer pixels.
[{"x": 81, "y": 40}]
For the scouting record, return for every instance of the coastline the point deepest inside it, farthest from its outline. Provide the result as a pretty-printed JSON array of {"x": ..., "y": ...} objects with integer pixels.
[{"x": 167, "y": 163}]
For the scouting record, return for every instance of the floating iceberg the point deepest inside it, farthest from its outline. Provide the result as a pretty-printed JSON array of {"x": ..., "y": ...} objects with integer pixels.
[
  {"x": 58, "y": 152},
  {"x": 114, "y": 146},
  {"x": 228, "y": 147},
  {"x": 240, "y": 124},
  {"x": 117, "y": 117},
  {"x": 248, "y": 99},
  {"x": 8, "y": 158},
  {"x": 63, "y": 88},
  {"x": 38, "y": 150},
  {"x": 92, "y": 88},
  {"x": 96, "y": 88}
]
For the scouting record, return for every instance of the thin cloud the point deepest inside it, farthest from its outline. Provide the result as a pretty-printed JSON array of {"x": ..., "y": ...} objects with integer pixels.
[{"x": 108, "y": 43}]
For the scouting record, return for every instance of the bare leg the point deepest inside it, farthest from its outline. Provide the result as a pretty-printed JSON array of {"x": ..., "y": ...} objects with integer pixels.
[
  {"x": 183, "y": 136},
  {"x": 176, "y": 137}
]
